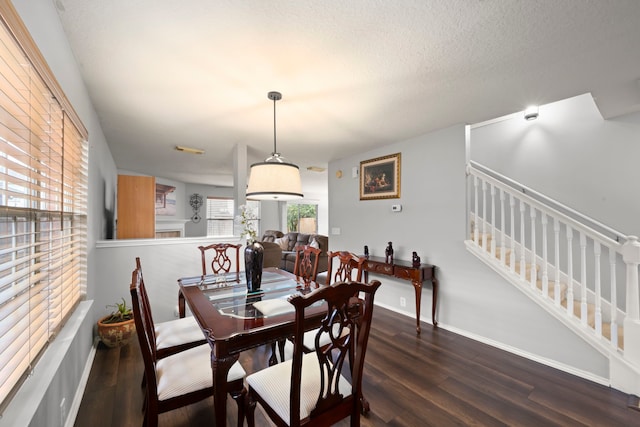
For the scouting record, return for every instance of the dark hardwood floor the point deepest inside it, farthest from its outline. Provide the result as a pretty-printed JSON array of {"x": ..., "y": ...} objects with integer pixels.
[{"x": 436, "y": 379}]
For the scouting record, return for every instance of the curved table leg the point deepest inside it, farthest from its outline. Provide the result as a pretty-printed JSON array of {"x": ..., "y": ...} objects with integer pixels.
[
  {"x": 220, "y": 368},
  {"x": 434, "y": 304},
  {"x": 417, "y": 286},
  {"x": 181, "y": 307}
]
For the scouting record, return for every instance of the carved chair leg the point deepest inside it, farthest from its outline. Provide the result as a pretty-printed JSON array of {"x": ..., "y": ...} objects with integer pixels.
[
  {"x": 364, "y": 405},
  {"x": 250, "y": 411},
  {"x": 273, "y": 359},
  {"x": 240, "y": 398}
]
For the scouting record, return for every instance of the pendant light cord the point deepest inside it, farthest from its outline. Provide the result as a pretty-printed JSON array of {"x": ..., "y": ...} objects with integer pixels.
[{"x": 274, "y": 126}]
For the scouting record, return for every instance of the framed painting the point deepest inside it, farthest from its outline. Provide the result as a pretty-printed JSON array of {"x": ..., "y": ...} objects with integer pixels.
[
  {"x": 165, "y": 200},
  {"x": 380, "y": 178}
]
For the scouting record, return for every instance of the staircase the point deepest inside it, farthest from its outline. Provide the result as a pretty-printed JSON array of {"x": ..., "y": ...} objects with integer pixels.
[{"x": 580, "y": 271}]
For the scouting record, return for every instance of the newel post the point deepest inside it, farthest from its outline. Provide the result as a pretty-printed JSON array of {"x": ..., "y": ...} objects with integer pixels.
[{"x": 631, "y": 257}]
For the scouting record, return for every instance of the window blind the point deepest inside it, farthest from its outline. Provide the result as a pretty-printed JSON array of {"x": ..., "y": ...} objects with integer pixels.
[
  {"x": 220, "y": 216},
  {"x": 43, "y": 209}
]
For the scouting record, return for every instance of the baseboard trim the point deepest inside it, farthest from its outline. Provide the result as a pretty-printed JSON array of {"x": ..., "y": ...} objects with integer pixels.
[{"x": 77, "y": 398}]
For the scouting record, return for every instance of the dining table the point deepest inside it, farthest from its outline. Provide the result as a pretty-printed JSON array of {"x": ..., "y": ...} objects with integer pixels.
[{"x": 234, "y": 320}]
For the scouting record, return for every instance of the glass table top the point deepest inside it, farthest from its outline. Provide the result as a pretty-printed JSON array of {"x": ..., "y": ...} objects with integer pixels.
[{"x": 228, "y": 294}]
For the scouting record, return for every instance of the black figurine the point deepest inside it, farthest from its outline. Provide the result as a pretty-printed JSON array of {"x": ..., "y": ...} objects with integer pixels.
[
  {"x": 416, "y": 260},
  {"x": 388, "y": 253},
  {"x": 366, "y": 250}
]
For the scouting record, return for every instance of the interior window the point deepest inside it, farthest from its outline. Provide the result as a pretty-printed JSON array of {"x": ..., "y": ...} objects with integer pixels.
[
  {"x": 43, "y": 211},
  {"x": 221, "y": 216},
  {"x": 302, "y": 218}
]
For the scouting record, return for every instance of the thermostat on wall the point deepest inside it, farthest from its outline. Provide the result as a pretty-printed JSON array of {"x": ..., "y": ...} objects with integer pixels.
[{"x": 396, "y": 208}]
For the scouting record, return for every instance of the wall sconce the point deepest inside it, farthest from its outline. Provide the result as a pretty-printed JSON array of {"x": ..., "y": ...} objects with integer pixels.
[{"x": 531, "y": 112}]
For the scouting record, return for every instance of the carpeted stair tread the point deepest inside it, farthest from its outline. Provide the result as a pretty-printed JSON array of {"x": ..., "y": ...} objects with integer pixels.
[
  {"x": 551, "y": 290},
  {"x": 606, "y": 327},
  {"x": 606, "y": 332}
]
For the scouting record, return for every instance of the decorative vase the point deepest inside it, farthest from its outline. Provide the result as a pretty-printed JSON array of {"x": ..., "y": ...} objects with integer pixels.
[
  {"x": 253, "y": 258},
  {"x": 116, "y": 334}
]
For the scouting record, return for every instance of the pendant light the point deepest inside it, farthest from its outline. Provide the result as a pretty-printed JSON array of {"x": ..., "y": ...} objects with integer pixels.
[{"x": 275, "y": 178}]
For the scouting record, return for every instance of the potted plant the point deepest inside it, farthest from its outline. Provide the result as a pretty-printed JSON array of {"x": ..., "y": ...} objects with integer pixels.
[{"x": 117, "y": 328}]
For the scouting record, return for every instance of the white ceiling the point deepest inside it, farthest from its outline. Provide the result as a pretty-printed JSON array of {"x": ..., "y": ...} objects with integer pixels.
[{"x": 354, "y": 74}]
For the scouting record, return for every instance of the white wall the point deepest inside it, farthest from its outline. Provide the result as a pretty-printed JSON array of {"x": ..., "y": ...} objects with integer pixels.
[
  {"x": 163, "y": 262},
  {"x": 473, "y": 300},
  {"x": 58, "y": 374},
  {"x": 572, "y": 155}
]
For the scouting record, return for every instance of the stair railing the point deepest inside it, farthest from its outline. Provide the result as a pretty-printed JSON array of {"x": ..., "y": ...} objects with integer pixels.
[{"x": 542, "y": 244}]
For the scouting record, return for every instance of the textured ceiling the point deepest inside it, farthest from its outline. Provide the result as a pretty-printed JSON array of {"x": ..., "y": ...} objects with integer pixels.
[{"x": 354, "y": 74}]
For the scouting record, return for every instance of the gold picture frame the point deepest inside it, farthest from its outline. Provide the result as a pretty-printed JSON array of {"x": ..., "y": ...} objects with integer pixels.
[{"x": 380, "y": 178}]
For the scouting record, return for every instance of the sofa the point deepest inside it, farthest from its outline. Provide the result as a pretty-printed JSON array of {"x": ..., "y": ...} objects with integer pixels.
[{"x": 290, "y": 240}]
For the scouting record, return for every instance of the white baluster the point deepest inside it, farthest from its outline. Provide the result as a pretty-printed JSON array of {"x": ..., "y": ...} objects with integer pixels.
[
  {"x": 502, "y": 228},
  {"x": 556, "y": 284},
  {"x": 484, "y": 215},
  {"x": 512, "y": 209},
  {"x": 522, "y": 241},
  {"x": 545, "y": 261},
  {"x": 614, "y": 298},
  {"x": 631, "y": 256},
  {"x": 493, "y": 221},
  {"x": 476, "y": 225},
  {"x": 569, "y": 270},
  {"x": 598, "y": 290},
  {"x": 583, "y": 279},
  {"x": 534, "y": 272}
]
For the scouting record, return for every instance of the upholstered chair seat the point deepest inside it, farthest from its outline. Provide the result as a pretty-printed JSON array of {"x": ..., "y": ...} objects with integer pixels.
[
  {"x": 275, "y": 391},
  {"x": 189, "y": 371},
  {"x": 177, "y": 332}
]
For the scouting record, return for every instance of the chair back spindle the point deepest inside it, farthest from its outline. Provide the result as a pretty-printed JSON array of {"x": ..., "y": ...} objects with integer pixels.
[
  {"x": 323, "y": 395},
  {"x": 348, "y": 263},
  {"x": 306, "y": 266},
  {"x": 220, "y": 261}
]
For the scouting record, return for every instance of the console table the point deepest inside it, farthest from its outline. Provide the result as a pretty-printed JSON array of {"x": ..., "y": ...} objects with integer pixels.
[{"x": 405, "y": 270}]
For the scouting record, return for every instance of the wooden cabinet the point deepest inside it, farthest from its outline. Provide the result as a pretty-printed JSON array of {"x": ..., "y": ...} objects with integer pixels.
[{"x": 136, "y": 207}]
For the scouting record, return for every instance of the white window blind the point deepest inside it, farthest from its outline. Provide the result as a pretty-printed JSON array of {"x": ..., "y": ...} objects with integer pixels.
[
  {"x": 221, "y": 217},
  {"x": 43, "y": 208}
]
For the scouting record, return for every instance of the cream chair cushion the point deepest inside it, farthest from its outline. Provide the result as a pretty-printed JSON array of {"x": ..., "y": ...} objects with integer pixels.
[
  {"x": 273, "y": 307},
  {"x": 273, "y": 384},
  {"x": 189, "y": 371},
  {"x": 177, "y": 332}
]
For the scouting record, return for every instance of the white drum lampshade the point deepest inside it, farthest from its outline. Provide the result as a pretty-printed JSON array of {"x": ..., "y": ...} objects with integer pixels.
[{"x": 274, "y": 179}]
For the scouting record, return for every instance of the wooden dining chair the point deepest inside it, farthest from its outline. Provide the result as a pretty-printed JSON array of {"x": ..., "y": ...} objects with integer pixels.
[
  {"x": 317, "y": 393},
  {"x": 180, "y": 379},
  {"x": 349, "y": 268},
  {"x": 306, "y": 271},
  {"x": 171, "y": 336},
  {"x": 220, "y": 259},
  {"x": 306, "y": 265},
  {"x": 348, "y": 264}
]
